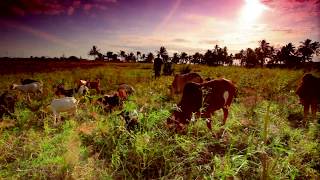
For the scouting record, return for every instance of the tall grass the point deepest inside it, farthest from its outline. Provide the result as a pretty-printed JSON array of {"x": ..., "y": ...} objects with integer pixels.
[{"x": 259, "y": 139}]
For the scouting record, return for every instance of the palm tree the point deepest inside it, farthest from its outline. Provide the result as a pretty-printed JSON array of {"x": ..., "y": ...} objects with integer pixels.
[
  {"x": 307, "y": 49},
  {"x": 150, "y": 58},
  {"x": 216, "y": 54},
  {"x": 94, "y": 52},
  {"x": 109, "y": 55},
  {"x": 115, "y": 57},
  {"x": 184, "y": 57},
  {"x": 163, "y": 52},
  {"x": 263, "y": 51},
  {"x": 288, "y": 55},
  {"x": 143, "y": 57},
  {"x": 240, "y": 56},
  {"x": 175, "y": 58},
  {"x": 208, "y": 58},
  {"x": 123, "y": 55},
  {"x": 196, "y": 58},
  {"x": 138, "y": 55},
  {"x": 131, "y": 57},
  {"x": 224, "y": 55},
  {"x": 251, "y": 58}
]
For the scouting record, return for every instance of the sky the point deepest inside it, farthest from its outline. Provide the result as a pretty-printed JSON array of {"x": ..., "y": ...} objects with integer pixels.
[{"x": 71, "y": 27}]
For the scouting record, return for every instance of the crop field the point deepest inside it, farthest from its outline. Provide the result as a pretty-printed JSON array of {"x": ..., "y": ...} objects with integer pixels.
[{"x": 262, "y": 139}]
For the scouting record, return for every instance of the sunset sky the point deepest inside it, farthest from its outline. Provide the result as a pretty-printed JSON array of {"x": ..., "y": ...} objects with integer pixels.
[{"x": 71, "y": 27}]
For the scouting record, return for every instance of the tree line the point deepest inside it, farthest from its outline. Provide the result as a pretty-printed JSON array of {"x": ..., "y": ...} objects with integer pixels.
[{"x": 265, "y": 54}]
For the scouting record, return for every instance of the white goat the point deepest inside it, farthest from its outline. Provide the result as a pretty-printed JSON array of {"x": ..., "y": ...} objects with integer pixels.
[
  {"x": 34, "y": 87},
  {"x": 65, "y": 104},
  {"x": 83, "y": 90}
]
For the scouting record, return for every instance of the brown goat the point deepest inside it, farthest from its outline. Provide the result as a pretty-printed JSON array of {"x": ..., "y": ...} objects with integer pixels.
[
  {"x": 309, "y": 94},
  {"x": 90, "y": 84}
]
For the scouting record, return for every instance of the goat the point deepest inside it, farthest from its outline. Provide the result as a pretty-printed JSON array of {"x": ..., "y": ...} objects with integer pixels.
[
  {"x": 129, "y": 89},
  {"x": 65, "y": 104},
  {"x": 124, "y": 90},
  {"x": 110, "y": 101},
  {"x": 34, "y": 87},
  {"x": 7, "y": 103},
  {"x": 90, "y": 84},
  {"x": 27, "y": 81},
  {"x": 82, "y": 90},
  {"x": 131, "y": 122}
]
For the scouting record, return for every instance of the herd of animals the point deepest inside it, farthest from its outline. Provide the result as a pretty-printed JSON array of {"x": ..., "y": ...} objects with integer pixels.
[{"x": 199, "y": 96}]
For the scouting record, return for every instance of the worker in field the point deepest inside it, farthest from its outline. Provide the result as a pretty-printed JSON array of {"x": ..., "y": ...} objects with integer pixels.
[{"x": 157, "y": 66}]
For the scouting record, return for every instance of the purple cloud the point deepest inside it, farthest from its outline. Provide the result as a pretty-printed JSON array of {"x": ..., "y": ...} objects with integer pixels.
[{"x": 50, "y": 7}]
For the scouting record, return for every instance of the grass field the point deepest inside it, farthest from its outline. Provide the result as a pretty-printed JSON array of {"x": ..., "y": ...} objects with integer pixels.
[{"x": 263, "y": 137}]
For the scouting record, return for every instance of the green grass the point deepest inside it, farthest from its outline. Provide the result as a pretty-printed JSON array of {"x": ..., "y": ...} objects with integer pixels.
[{"x": 259, "y": 139}]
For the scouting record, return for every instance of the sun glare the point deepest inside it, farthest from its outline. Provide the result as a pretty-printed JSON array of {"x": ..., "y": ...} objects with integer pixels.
[{"x": 251, "y": 11}]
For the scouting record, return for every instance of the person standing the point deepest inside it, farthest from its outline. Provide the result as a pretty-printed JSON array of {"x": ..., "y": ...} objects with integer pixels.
[{"x": 157, "y": 66}]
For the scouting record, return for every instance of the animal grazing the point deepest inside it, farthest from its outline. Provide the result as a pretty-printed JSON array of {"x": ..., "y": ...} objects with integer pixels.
[
  {"x": 7, "y": 103},
  {"x": 27, "y": 81},
  {"x": 191, "y": 102},
  {"x": 110, "y": 101},
  {"x": 124, "y": 90},
  {"x": 131, "y": 122},
  {"x": 90, "y": 84},
  {"x": 180, "y": 80},
  {"x": 129, "y": 89},
  {"x": 218, "y": 94},
  {"x": 34, "y": 87},
  {"x": 309, "y": 93},
  {"x": 65, "y": 104},
  {"x": 82, "y": 90}
]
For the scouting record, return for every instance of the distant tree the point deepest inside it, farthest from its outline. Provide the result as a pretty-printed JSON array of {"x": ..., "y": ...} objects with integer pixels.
[
  {"x": 223, "y": 55},
  {"x": 288, "y": 55},
  {"x": 165, "y": 58},
  {"x": 143, "y": 57},
  {"x": 208, "y": 58},
  {"x": 163, "y": 51},
  {"x": 307, "y": 49},
  {"x": 150, "y": 58},
  {"x": 184, "y": 57},
  {"x": 131, "y": 57},
  {"x": 197, "y": 58},
  {"x": 123, "y": 55},
  {"x": 175, "y": 58},
  {"x": 251, "y": 58},
  {"x": 216, "y": 55},
  {"x": 273, "y": 55},
  {"x": 241, "y": 57},
  {"x": 115, "y": 57},
  {"x": 109, "y": 55},
  {"x": 95, "y": 52},
  {"x": 138, "y": 55},
  {"x": 229, "y": 60},
  {"x": 263, "y": 51},
  {"x": 73, "y": 58}
]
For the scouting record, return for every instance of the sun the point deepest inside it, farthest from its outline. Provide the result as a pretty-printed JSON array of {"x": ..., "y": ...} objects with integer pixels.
[{"x": 251, "y": 11}]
